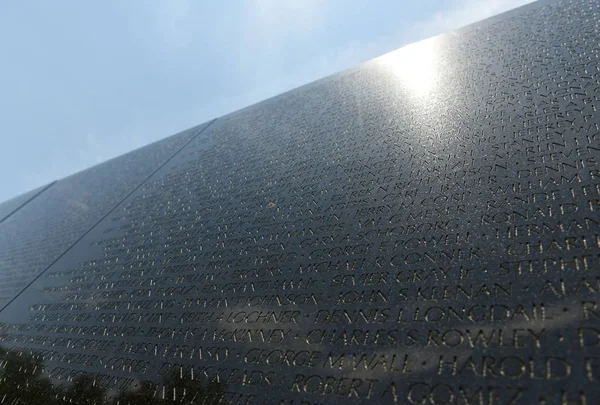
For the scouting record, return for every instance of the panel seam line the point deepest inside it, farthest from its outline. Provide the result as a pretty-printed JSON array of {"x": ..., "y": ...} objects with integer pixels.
[{"x": 107, "y": 214}]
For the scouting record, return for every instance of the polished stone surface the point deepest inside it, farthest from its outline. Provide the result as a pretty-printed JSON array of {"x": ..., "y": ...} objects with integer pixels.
[
  {"x": 9, "y": 207},
  {"x": 34, "y": 236},
  {"x": 421, "y": 229}
]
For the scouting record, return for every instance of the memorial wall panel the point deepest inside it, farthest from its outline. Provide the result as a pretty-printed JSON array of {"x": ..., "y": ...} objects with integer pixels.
[
  {"x": 421, "y": 229},
  {"x": 9, "y": 207},
  {"x": 36, "y": 235}
]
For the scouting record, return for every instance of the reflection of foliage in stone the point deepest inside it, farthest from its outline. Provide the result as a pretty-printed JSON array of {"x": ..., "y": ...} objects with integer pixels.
[
  {"x": 178, "y": 387},
  {"x": 22, "y": 382}
]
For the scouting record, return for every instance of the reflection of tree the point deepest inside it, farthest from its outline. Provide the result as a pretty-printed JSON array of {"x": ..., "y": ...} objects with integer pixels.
[
  {"x": 84, "y": 391},
  {"x": 178, "y": 387},
  {"x": 22, "y": 382}
]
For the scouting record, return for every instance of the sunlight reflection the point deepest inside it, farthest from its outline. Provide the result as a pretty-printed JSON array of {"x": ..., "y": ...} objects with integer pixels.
[{"x": 415, "y": 66}]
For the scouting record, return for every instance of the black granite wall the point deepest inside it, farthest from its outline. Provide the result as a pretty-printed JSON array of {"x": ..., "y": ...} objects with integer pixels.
[{"x": 421, "y": 229}]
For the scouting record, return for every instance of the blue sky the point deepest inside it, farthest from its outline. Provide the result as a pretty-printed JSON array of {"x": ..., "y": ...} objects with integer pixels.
[{"x": 82, "y": 82}]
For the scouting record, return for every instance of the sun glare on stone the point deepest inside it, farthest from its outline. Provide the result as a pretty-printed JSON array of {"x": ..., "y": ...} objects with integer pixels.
[{"x": 414, "y": 66}]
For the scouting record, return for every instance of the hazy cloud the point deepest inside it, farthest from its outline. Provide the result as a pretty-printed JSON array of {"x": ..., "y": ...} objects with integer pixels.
[{"x": 465, "y": 12}]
